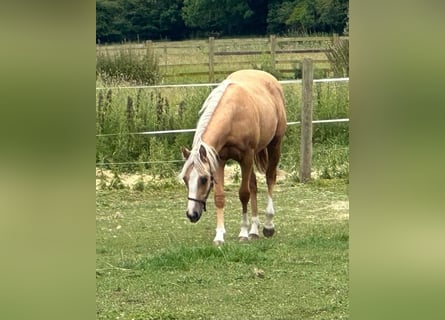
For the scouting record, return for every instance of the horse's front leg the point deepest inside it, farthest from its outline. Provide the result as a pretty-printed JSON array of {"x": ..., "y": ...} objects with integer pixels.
[{"x": 219, "y": 198}]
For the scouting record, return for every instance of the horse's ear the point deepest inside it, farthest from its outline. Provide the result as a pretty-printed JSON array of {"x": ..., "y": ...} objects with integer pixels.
[
  {"x": 203, "y": 153},
  {"x": 185, "y": 152}
]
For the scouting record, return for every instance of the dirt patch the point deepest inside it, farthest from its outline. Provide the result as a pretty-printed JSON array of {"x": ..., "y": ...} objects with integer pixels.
[
  {"x": 232, "y": 175},
  {"x": 341, "y": 209},
  {"x": 107, "y": 177}
]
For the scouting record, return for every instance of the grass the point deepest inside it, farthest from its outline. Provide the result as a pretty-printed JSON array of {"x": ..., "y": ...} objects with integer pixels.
[{"x": 154, "y": 264}]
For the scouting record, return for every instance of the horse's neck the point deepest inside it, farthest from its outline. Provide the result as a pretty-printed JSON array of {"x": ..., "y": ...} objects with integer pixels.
[{"x": 216, "y": 133}]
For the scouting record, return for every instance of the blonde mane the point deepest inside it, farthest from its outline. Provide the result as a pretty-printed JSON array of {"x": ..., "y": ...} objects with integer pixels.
[
  {"x": 207, "y": 110},
  {"x": 206, "y": 113}
]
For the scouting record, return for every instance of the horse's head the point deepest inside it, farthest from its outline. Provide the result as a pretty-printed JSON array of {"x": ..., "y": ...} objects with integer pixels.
[{"x": 198, "y": 178}]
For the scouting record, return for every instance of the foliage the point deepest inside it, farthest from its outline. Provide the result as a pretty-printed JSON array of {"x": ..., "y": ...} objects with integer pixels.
[
  {"x": 331, "y": 160},
  {"x": 227, "y": 16},
  {"x": 110, "y": 23},
  {"x": 338, "y": 56},
  {"x": 119, "y": 20},
  {"x": 131, "y": 20},
  {"x": 264, "y": 63},
  {"x": 123, "y": 112},
  {"x": 128, "y": 67},
  {"x": 307, "y": 16}
]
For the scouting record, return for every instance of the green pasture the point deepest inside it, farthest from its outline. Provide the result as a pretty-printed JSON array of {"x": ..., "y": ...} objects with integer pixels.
[{"x": 152, "y": 263}]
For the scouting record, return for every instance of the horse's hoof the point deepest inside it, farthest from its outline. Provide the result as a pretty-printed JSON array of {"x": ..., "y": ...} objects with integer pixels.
[
  {"x": 268, "y": 232},
  {"x": 243, "y": 239},
  {"x": 253, "y": 236},
  {"x": 218, "y": 243}
]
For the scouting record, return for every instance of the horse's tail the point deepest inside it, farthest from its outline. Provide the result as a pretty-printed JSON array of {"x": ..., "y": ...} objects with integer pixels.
[{"x": 262, "y": 160}]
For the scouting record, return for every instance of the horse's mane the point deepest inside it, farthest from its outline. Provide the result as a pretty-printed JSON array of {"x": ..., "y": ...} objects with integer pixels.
[
  {"x": 207, "y": 110},
  {"x": 195, "y": 158},
  {"x": 206, "y": 113}
]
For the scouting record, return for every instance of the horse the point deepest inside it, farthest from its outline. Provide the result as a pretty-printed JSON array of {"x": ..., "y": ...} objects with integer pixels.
[{"x": 243, "y": 119}]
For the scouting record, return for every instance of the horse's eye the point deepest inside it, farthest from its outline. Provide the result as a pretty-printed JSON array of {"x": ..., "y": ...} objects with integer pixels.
[{"x": 203, "y": 180}]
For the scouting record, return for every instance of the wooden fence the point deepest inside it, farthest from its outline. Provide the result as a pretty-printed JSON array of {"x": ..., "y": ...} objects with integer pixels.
[{"x": 213, "y": 57}]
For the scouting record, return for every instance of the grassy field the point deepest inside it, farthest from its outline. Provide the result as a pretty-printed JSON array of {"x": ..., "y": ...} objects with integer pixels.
[{"x": 152, "y": 263}]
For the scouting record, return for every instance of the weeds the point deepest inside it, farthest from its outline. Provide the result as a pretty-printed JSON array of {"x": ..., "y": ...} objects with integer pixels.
[
  {"x": 338, "y": 56},
  {"x": 129, "y": 67},
  {"x": 121, "y": 113}
]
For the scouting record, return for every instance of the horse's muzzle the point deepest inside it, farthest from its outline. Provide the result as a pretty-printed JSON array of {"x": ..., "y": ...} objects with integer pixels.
[{"x": 194, "y": 217}]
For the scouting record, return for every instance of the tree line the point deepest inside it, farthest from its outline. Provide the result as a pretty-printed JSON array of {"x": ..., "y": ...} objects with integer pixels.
[{"x": 132, "y": 20}]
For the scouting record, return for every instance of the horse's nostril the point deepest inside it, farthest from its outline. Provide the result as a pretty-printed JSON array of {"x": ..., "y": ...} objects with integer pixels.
[{"x": 193, "y": 217}]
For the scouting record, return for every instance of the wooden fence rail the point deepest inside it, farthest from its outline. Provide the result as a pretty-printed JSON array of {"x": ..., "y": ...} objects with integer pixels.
[{"x": 191, "y": 56}]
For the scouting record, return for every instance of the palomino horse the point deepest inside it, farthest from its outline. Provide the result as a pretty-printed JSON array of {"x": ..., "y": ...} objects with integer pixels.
[{"x": 243, "y": 119}]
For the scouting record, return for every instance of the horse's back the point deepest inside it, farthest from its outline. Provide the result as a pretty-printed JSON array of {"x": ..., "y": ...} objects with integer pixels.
[
  {"x": 257, "y": 81},
  {"x": 267, "y": 93}
]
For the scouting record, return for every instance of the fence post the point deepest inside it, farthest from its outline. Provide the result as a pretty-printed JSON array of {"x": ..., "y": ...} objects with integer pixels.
[
  {"x": 165, "y": 59},
  {"x": 211, "y": 57},
  {"x": 273, "y": 48},
  {"x": 149, "y": 47},
  {"x": 306, "y": 121}
]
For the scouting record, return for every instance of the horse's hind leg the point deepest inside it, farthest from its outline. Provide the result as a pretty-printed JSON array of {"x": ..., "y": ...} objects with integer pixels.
[
  {"x": 244, "y": 193},
  {"x": 253, "y": 233},
  {"x": 274, "y": 151}
]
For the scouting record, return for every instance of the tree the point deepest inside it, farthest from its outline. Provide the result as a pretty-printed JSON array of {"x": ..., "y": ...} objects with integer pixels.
[
  {"x": 118, "y": 20},
  {"x": 110, "y": 23},
  {"x": 257, "y": 24},
  {"x": 155, "y": 19},
  {"x": 278, "y": 13},
  {"x": 227, "y": 16},
  {"x": 304, "y": 16},
  {"x": 333, "y": 15}
]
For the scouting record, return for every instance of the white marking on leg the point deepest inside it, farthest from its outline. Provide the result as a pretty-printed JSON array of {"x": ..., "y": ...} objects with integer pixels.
[
  {"x": 244, "y": 232},
  {"x": 270, "y": 211},
  {"x": 219, "y": 237},
  {"x": 254, "y": 227}
]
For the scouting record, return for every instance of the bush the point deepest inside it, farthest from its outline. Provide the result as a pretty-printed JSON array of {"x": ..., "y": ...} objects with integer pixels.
[
  {"x": 338, "y": 56},
  {"x": 127, "y": 66}
]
